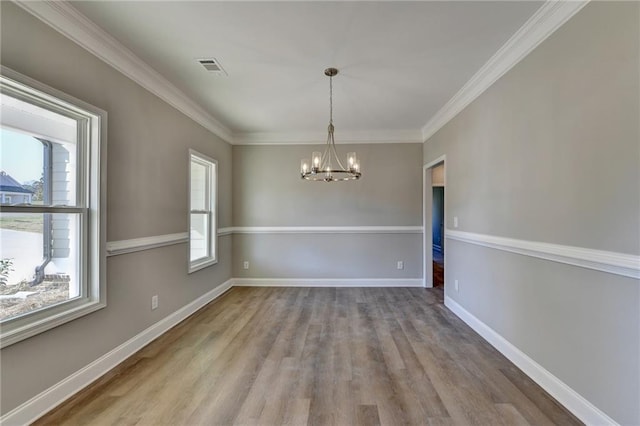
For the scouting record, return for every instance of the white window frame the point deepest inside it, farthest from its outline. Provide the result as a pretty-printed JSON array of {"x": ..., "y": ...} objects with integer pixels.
[
  {"x": 90, "y": 207},
  {"x": 211, "y": 209}
]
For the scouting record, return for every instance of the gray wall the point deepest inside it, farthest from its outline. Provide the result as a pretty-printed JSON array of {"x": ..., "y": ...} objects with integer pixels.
[
  {"x": 148, "y": 144},
  {"x": 269, "y": 192},
  {"x": 551, "y": 153}
]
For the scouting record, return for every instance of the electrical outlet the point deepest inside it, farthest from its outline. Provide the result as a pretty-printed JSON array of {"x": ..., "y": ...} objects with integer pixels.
[
  {"x": 154, "y": 302},
  {"x": 245, "y": 265},
  {"x": 455, "y": 284},
  {"x": 455, "y": 221},
  {"x": 400, "y": 264}
]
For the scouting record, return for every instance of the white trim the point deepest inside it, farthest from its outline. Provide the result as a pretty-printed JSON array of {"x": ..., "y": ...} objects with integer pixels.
[
  {"x": 210, "y": 208},
  {"x": 551, "y": 16},
  {"x": 115, "y": 248},
  {"x": 427, "y": 238},
  {"x": 569, "y": 398},
  {"x": 225, "y": 231},
  {"x": 90, "y": 196},
  {"x": 327, "y": 229},
  {"x": 318, "y": 138},
  {"x": 627, "y": 265},
  {"x": 47, "y": 400},
  {"x": 327, "y": 282},
  {"x": 68, "y": 21}
]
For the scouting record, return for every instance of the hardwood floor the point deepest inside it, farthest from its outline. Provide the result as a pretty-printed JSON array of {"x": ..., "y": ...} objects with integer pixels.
[
  {"x": 321, "y": 356},
  {"x": 438, "y": 274}
]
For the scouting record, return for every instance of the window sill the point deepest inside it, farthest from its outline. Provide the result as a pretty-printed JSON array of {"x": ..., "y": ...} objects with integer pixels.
[
  {"x": 201, "y": 264},
  {"x": 15, "y": 332}
]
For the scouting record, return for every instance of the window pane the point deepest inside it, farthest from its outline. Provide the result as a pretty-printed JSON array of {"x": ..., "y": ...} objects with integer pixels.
[
  {"x": 39, "y": 258},
  {"x": 22, "y": 171},
  {"x": 40, "y": 169},
  {"x": 199, "y": 180},
  {"x": 199, "y": 245}
]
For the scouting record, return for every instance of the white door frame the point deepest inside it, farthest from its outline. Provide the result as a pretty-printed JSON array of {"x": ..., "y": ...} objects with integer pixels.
[{"x": 427, "y": 213}]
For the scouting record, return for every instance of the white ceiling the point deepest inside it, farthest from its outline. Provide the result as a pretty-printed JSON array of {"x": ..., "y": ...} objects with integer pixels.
[{"x": 399, "y": 62}]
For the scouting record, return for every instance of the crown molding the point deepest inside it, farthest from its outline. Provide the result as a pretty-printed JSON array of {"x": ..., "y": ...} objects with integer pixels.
[
  {"x": 551, "y": 16},
  {"x": 68, "y": 21},
  {"x": 316, "y": 138}
]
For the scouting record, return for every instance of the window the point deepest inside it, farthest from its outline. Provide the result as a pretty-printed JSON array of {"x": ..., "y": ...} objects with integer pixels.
[
  {"x": 203, "y": 179},
  {"x": 51, "y": 215}
]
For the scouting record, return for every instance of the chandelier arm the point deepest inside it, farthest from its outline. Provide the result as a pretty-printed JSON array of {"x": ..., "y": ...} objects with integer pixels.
[
  {"x": 335, "y": 153},
  {"x": 326, "y": 155}
]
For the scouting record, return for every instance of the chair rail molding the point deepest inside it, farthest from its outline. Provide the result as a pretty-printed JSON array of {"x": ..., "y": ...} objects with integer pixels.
[
  {"x": 115, "y": 248},
  {"x": 627, "y": 265}
]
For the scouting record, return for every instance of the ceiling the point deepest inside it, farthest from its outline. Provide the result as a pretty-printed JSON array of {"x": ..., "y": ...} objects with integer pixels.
[{"x": 399, "y": 62}]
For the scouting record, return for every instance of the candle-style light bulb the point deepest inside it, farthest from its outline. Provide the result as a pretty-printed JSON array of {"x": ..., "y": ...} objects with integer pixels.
[
  {"x": 316, "y": 158},
  {"x": 351, "y": 160},
  {"x": 304, "y": 166}
]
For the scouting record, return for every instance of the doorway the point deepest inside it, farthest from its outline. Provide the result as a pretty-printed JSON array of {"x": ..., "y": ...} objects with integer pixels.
[
  {"x": 437, "y": 231},
  {"x": 434, "y": 197}
]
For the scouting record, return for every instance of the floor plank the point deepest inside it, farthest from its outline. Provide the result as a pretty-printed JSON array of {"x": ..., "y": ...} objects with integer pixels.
[{"x": 319, "y": 356}]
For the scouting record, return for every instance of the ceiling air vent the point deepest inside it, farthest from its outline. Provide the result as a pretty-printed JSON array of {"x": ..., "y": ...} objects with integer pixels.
[{"x": 212, "y": 65}]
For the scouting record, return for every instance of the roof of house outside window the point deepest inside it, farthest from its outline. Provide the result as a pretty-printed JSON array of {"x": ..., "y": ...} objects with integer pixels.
[{"x": 9, "y": 184}]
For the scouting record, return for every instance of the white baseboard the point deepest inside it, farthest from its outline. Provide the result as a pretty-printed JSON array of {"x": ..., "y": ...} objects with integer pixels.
[
  {"x": 328, "y": 282},
  {"x": 47, "y": 400},
  {"x": 572, "y": 400},
  {"x": 39, "y": 405},
  {"x": 326, "y": 229}
]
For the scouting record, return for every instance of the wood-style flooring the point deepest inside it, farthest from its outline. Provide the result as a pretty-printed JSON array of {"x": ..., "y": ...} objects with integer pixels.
[
  {"x": 438, "y": 274},
  {"x": 319, "y": 356}
]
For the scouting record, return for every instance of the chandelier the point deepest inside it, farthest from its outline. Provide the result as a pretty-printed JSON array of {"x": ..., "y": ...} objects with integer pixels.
[{"x": 327, "y": 166}]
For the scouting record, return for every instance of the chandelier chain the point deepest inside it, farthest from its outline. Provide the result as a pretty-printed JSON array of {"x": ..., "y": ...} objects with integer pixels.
[{"x": 330, "y": 99}]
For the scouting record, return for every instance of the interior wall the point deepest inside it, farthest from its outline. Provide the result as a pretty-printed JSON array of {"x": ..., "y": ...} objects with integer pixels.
[
  {"x": 147, "y": 188},
  {"x": 551, "y": 153},
  {"x": 268, "y": 192}
]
